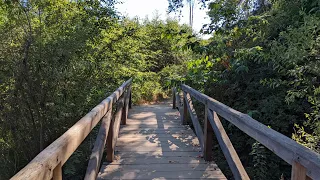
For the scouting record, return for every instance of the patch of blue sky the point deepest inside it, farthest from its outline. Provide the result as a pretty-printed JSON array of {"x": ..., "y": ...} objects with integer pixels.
[{"x": 153, "y": 8}]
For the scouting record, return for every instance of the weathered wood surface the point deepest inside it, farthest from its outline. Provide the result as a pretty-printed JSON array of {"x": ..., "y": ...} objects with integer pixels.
[
  {"x": 57, "y": 172},
  {"x": 284, "y": 147},
  {"x": 208, "y": 137},
  {"x": 125, "y": 110},
  {"x": 42, "y": 166},
  {"x": 227, "y": 148},
  {"x": 117, "y": 121},
  {"x": 174, "y": 99},
  {"x": 114, "y": 130},
  {"x": 154, "y": 145},
  {"x": 130, "y": 97},
  {"x": 194, "y": 118},
  {"x": 298, "y": 172},
  {"x": 97, "y": 151},
  {"x": 184, "y": 111}
]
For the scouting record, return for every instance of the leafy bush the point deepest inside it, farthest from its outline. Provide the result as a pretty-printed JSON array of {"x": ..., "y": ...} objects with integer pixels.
[
  {"x": 172, "y": 76},
  {"x": 146, "y": 87}
]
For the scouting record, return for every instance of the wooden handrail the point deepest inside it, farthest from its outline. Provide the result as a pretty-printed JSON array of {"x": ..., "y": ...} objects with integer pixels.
[
  {"x": 48, "y": 163},
  {"x": 108, "y": 134},
  {"x": 305, "y": 162}
]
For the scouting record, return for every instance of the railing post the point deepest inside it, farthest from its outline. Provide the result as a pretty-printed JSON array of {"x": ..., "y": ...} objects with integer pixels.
[
  {"x": 184, "y": 111},
  {"x": 174, "y": 98},
  {"x": 99, "y": 145},
  {"x": 299, "y": 172},
  {"x": 114, "y": 130},
  {"x": 208, "y": 134},
  {"x": 178, "y": 101},
  {"x": 125, "y": 108},
  {"x": 57, "y": 172},
  {"x": 130, "y": 97},
  {"x": 236, "y": 167},
  {"x": 110, "y": 148}
]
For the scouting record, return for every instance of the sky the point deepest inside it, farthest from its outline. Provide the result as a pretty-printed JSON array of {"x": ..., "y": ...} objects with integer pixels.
[{"x": 149, "y": 8}]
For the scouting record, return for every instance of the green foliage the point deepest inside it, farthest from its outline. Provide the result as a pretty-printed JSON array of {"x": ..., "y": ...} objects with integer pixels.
[
  {"x": 58, "y": 59},
  {"x": 309, "y": 140},
  {"x": 263, "y": 59},
  {"x": 259, "y": 160},
  {"x": 146, "y": 87},
  {"x": 172, "y": 76}
]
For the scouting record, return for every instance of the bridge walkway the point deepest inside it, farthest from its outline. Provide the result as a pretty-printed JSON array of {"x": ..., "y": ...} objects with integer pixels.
[{"x": 154, "y": 145}]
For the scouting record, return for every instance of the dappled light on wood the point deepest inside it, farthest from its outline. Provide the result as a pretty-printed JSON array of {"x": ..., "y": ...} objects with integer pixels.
[{"x": 154, "y": 144}]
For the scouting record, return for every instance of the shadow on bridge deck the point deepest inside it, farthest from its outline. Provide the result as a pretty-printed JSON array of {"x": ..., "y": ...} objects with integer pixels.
[{"x": 154, "y": 145}]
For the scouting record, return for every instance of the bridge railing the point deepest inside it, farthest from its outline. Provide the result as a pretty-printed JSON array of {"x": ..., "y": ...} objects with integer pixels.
[
  {"x": 305, "y": 163},
  {"x": 48, "y": 163}
]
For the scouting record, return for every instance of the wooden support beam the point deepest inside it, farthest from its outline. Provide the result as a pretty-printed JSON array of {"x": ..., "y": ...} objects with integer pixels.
[
  {"x": 174, "y": 98},
  {"x": 178, "y": 101},
  {"x": 298, "y": 172},
  {"x": 184, "y": 110},
  {"x": 208, "y": 134},
  {"x": 179, "y": 106},
  {"x": 117, "y": 121},
  {"x": 57, "y": 172},
  {"x": 227, "y": 148},
  {"x": 125, "y": 108},
  {"x": 110, "y": 148},
  {"x": 127, "y": 104},
  {"x": 194, "y": 118},
  {"x": 130, "y": 99},
  {"x": 114, "y": 131},
  {"x": 97, "y": 151}
]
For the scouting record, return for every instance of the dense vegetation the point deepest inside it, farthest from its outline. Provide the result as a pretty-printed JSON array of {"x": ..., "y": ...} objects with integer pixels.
[
  {"x": 60, "y": 58},
  {"x": 264, "y": 60}
]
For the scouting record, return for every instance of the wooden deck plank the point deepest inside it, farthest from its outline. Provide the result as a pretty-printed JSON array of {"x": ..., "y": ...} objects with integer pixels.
[
  {"x": 153, "y": 122},
  {"x": 159, "y": 167},
  {"x": 185, "y": 135},
  {"x": 161, "y": 153},
  {"x": 187, "y": 174},
  {"x": 152, "y": 126},
  {"x": 132, "y": 131},
  {"x": 196, "y": 159},
  {"x": 154, "y": 145}
]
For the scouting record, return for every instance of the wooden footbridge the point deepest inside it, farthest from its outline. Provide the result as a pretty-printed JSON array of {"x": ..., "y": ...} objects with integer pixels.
[{"x": 155, "y": 142}]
